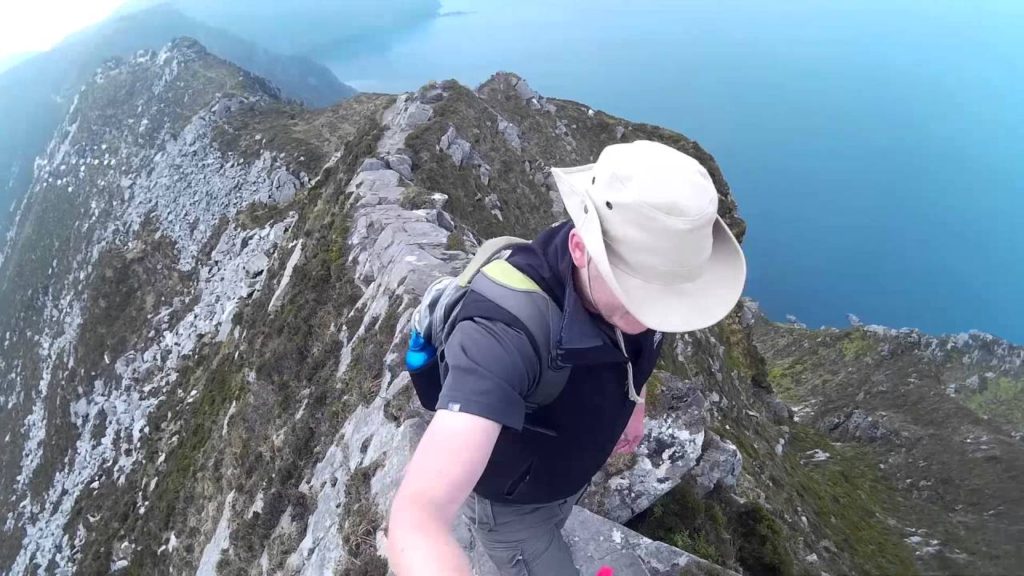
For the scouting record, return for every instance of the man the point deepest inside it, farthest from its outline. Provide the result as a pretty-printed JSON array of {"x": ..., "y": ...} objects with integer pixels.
[{"x": 644, "y": 252}]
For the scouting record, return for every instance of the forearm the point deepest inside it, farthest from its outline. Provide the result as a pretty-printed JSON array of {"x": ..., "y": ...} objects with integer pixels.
[{"x": 419, "y": 543}]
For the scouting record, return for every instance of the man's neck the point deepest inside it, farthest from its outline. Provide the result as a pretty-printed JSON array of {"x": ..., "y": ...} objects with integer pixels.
[{"x": 582, "y": 286}]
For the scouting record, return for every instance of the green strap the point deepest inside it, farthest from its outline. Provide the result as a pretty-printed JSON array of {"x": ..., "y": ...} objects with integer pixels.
[
  {"x": 487, "y": 251},
  {"x": 504, "y": 273}
]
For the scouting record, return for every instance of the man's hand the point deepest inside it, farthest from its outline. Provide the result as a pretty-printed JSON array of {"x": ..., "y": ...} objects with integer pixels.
[{"x": 633, "y": 433}]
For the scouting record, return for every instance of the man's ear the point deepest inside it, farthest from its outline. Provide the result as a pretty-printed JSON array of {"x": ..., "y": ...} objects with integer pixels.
[{"x": 577, "y": 249}]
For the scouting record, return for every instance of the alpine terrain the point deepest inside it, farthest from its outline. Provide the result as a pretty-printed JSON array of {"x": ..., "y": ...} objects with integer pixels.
[{"x": 203, "y": 308}]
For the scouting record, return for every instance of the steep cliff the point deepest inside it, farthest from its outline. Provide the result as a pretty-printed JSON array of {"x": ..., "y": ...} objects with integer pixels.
[{"x": 208, "y": 290}]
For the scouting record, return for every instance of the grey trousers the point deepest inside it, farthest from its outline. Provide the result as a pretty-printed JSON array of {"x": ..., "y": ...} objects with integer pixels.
[{"x": 523, "y": 540}]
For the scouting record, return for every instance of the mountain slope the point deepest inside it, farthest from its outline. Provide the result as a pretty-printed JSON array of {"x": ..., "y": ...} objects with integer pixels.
[
  {"x": 940, "y": 417},
  {"x": 36, "y": 94}
]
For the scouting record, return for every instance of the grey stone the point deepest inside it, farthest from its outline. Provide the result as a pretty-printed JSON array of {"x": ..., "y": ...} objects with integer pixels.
[
  {"x": 524, "y": 91},
  {"x": 619, "y": 131},
  {"x": 778, "y": 411},
  {"x": 402, "y": 164},
  {"x": 438, "y": 200},
  {"x": 671, "y": 446},
  {"x": 857, "y": 425},
  {"x": 597, "y": 542},
  {"x": 404, "y": 116},
  {"x": 371, "y": 164},
  {"x": 510, "y": 132},
  {"x": 255, "y": 265},
  {"x": 485, "y": 174},
  {"x": 444, "y": 220},
  {"x": 432, "y": 95},
  {"x": 284, "y": 187},
  {"x": 492, "y": 202},
  {"x": 720, "y": 464},
  {"x": 749, "y": 312},
  {"x": 458, "y": 149}
]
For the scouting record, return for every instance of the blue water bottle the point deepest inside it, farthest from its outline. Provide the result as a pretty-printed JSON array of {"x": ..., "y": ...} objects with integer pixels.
[{"x": 420, "y": 352}]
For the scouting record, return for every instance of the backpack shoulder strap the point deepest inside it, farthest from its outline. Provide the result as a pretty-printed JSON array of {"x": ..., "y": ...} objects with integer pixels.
[
  {"x": 508, "y": 287},
  {"x": 485, "y": 253}
]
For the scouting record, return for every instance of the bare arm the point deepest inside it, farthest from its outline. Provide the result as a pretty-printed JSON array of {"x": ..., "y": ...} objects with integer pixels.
[{"x": 440, "y": 476}]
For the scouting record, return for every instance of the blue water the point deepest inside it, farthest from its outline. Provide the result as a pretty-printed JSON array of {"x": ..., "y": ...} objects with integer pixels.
[{"x": 876, "y": 149}]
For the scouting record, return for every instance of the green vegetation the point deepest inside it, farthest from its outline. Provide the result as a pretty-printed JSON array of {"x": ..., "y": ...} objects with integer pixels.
[
  {"x": 415, "y": 198},
  {"x": 735, "y": 535},
  {"x": 455, "y": 241},
  {"x": 1001, "y": 399},
  {"x": 741, "y": 354},
  {"x": 851, "y": 500},
  {"x": 788, "y": 379},
  {"x": 259, "y": 215},
  {"x": 858, "y": 345},
  {"x": 362, "y": 520},
  {"x": 845, "y": 499}
]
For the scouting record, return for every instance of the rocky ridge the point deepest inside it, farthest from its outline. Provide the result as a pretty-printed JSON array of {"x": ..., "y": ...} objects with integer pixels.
[{"x": 202, "y": 371}]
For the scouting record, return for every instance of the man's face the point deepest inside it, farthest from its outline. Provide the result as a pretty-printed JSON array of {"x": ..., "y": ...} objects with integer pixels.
[{"x": 599, "y": 297}]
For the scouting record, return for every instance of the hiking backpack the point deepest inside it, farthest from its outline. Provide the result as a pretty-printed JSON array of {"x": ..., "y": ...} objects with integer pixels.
[{"x": 489, "y": 274}]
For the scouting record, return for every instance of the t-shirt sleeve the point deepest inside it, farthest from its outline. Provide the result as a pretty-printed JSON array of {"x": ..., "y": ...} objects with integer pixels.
[{"x": 491, "y": 369}]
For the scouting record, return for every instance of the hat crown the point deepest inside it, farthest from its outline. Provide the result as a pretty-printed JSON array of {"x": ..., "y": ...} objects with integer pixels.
[
  {"x": 655, "y": 176},
  {"x": 657, "y": 207}
]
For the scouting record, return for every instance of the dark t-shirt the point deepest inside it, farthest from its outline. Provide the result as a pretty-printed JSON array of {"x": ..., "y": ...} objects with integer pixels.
[
  {"x": 553, "y": 451},
  {"x": 491, "y": 369}
]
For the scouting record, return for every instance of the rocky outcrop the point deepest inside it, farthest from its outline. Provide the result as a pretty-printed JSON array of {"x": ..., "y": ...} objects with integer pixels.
[{"x": 674, "y": 443}]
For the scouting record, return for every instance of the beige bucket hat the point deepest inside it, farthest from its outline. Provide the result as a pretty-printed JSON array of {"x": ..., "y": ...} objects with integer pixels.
[{"x": 648, "y": 215}]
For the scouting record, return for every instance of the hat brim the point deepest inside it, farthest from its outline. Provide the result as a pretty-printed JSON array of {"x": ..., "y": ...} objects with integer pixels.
[{"x": 678, "y": 308}]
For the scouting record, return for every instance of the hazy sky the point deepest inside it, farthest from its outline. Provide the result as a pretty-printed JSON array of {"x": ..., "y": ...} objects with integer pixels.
[{"x": 35, "y": 25}]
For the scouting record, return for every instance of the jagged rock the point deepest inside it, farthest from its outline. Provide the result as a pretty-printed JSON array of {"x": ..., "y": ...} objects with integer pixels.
[
  {"x": 749, "y": 312},
  {"x": 284, "y": 187},
  {"x": 524, "y": 91},
  {"x": 458, "y": 149},
  {"x": 510, "y": 132},
  {"x": 485, "y": 174},
  {"x": 671, "y": 447},
  {"x": 778, "y": 411},
  {"x": 444, "y": 220},
  {"x": 857, "y": 425},
  {"x": 431, "y": 95},
  {"x": 619, "y": 131},
  {"x": 438, "y": 200},
  {"x": 402, "y": 164},
  {"x": 404, "y": 116},
  {"x": 371, "y": 164},
  {"x": 854, "y": 320},
  {"x": 720, "y": 465}
]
